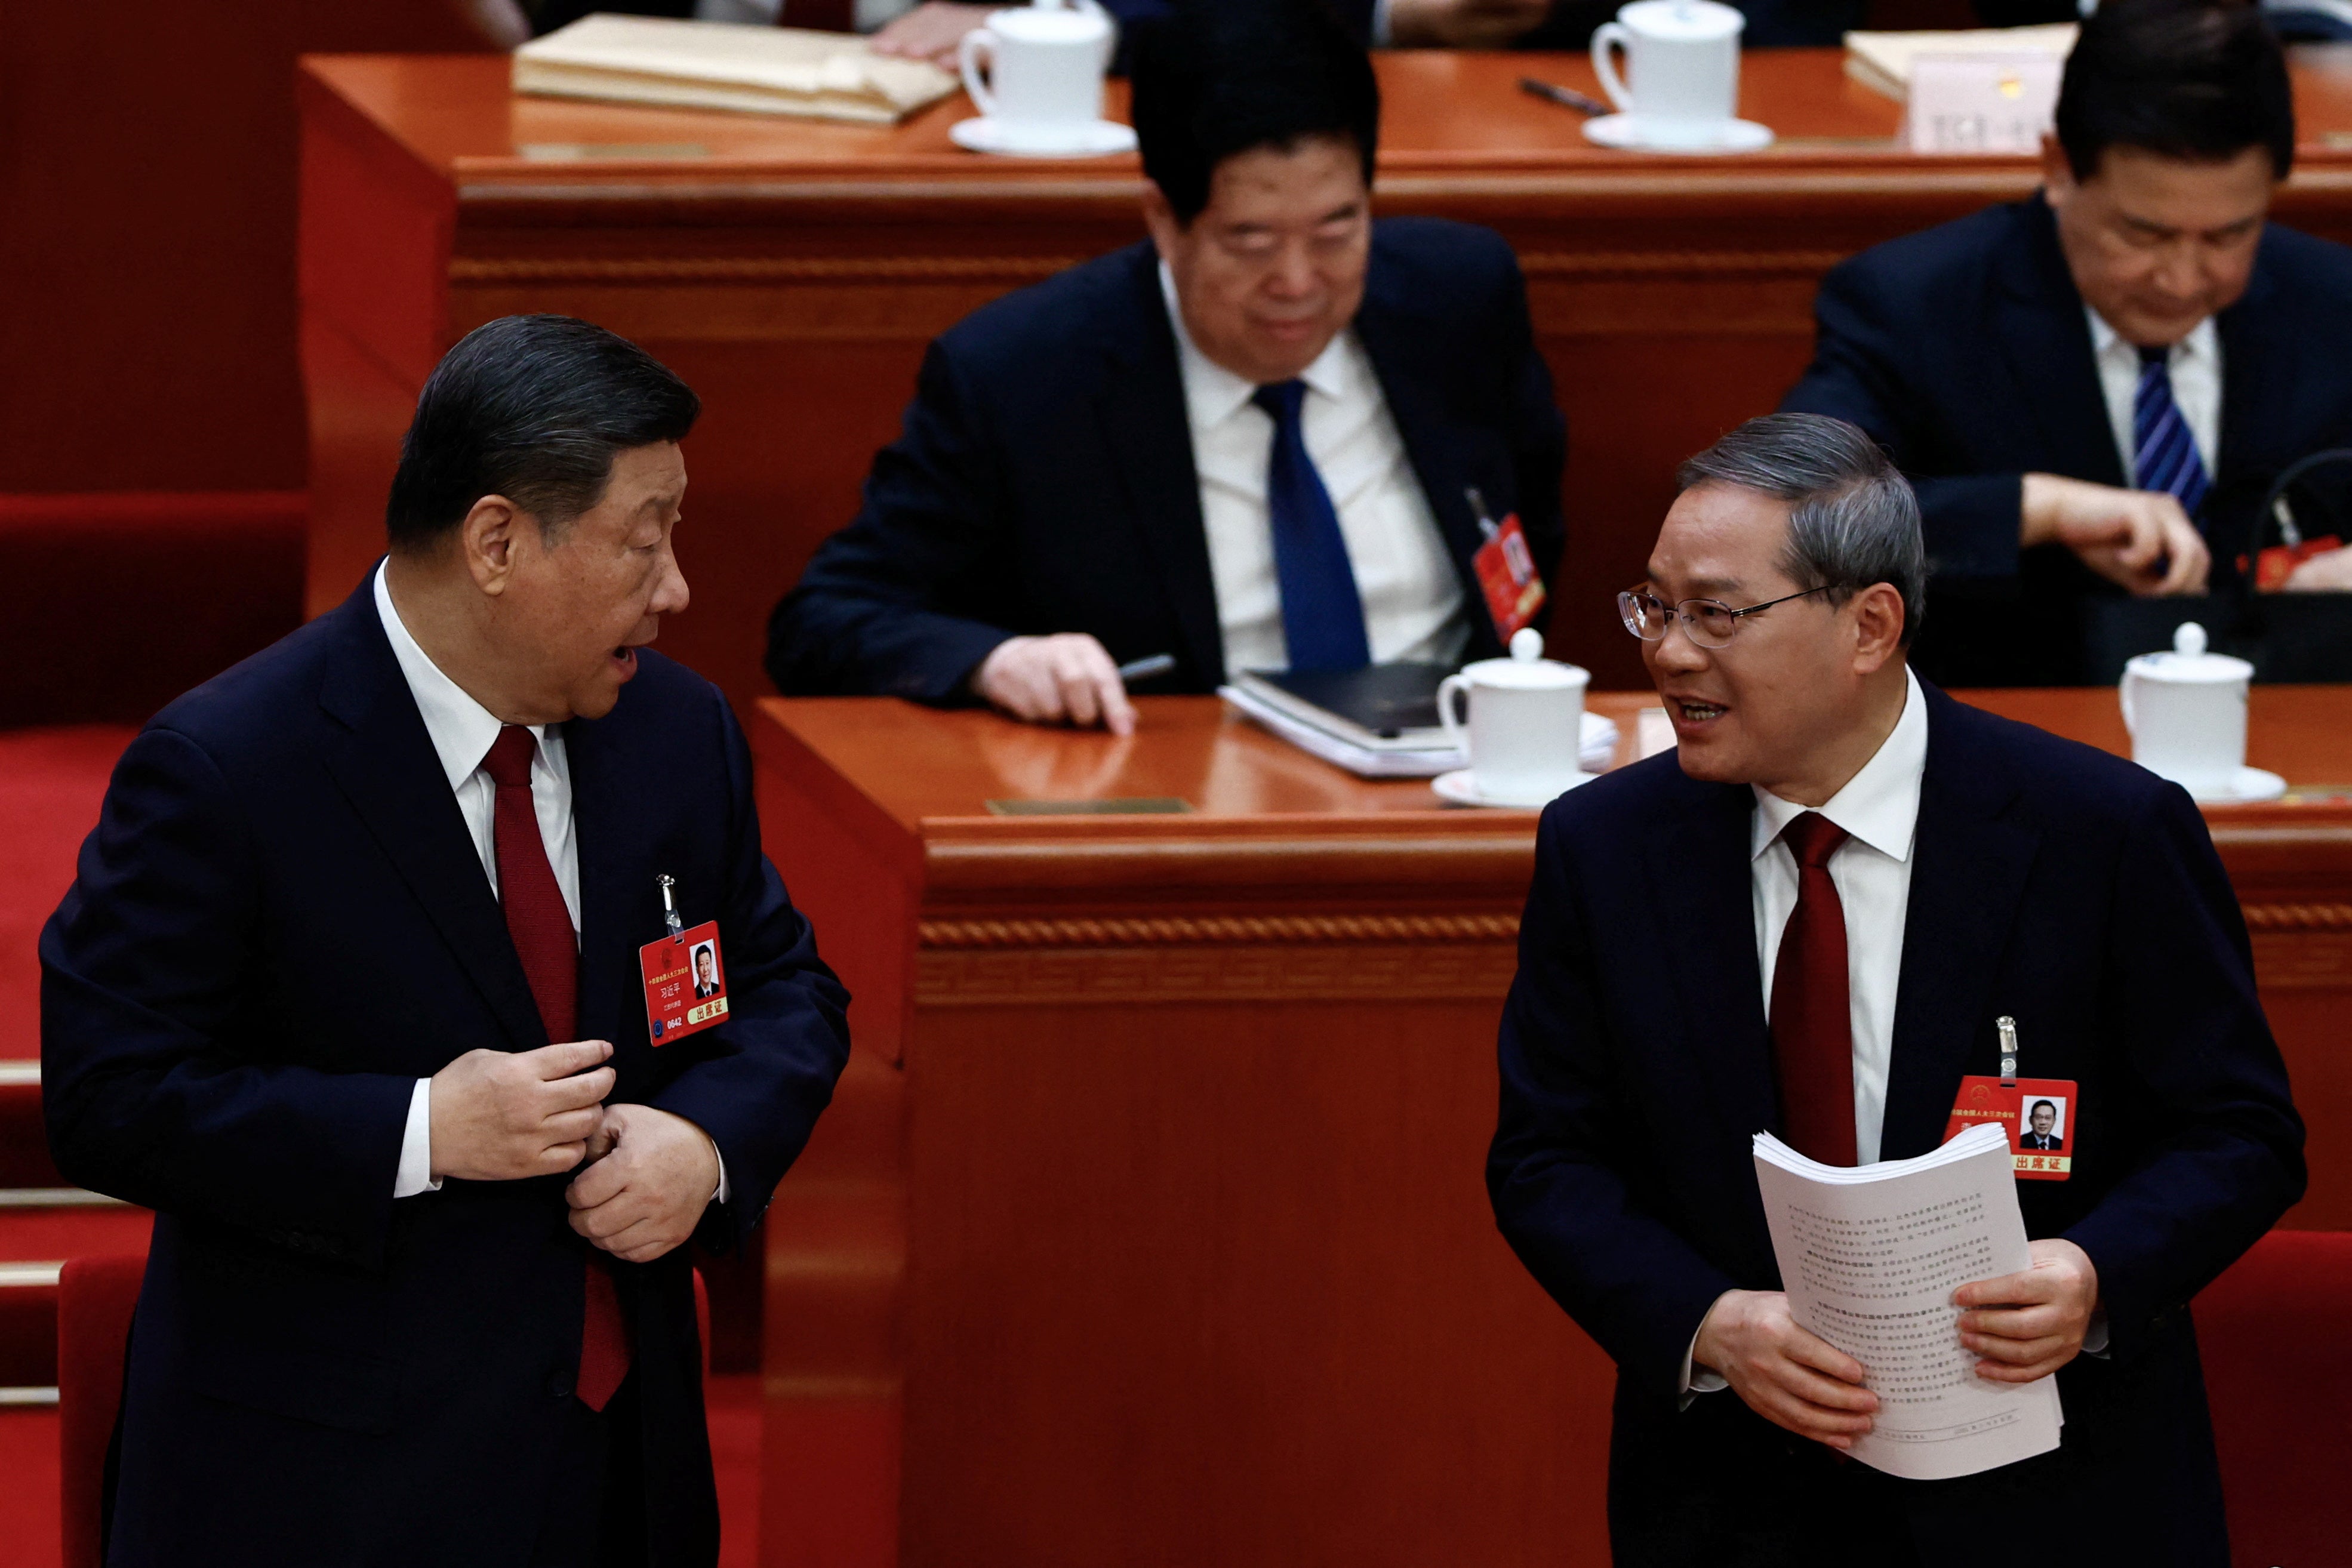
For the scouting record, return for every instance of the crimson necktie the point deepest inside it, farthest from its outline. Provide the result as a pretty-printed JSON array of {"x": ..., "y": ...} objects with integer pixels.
[
  {"x": 1812, "y": 1019},
  {"x": 542, "y": 928}
]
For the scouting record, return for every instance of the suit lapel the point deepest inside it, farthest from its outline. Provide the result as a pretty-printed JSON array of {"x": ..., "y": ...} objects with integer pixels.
[
  {"x": 2046, "y": 336},
  {"x": 386, "y": 767},
  {"x": 1150, "y": 433},
  {"x": 1969, "y": 859},
  {"x": 619, "y": 903},
  {"x": 2254, "y": 403},
  {"x": 1432, "y": 443},
  {"x": 1701, "y": 876}
]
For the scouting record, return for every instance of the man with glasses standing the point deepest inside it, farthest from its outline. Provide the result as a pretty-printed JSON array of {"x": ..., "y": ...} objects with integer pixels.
[{"x": 1807, "y": 919}]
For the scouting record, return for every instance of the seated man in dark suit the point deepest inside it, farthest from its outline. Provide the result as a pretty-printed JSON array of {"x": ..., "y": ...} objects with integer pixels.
[
  {"x": 2093, "y": 388},
  {"x": 347, "y": 990},
  {"x": 2037, "y": 1135},
  {"x": 1264, "y": 439},
  {"x": 1808, "y": 919}
]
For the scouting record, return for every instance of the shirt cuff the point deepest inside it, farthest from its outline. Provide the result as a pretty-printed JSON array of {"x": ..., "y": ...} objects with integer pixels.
[
  {"x": 416, "y": 1173},
  {"x": 718, "y": 1194},
  {"x": 1698, "y": 1380},
  {"x": 1382, "y": 36},
  {"x": 2095, "y": 1338}
]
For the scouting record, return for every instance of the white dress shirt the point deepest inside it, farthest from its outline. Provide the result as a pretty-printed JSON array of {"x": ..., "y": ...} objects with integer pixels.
[
  {"x": 1879, "y": 809},
  {"x": 1414, "y": 606},
  {"x": 2195, "y": 366},
  {"x": 462, "y": 731}
]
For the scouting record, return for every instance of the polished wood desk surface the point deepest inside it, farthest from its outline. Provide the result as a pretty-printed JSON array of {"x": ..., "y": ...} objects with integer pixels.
[
  {"x": 1446, "y": 113},
  {"x": 928, "y": 773}
]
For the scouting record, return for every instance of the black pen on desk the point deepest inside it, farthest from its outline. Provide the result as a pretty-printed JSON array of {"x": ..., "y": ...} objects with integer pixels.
[
  {"x": 1146, "y": 669},
  {"x": 1566, "y": 97}
]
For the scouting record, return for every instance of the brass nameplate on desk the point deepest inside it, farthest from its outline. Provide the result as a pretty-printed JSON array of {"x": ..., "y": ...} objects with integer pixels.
[{"x": 1134, "y": 806}]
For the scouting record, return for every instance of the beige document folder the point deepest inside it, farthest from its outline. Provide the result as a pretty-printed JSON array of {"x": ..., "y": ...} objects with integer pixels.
[
  {"x": 1882, "y": 61},
  {"x": 722, "y": 64}
]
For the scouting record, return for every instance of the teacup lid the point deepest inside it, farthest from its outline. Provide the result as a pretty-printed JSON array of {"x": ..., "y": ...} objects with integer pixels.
[
  {"x": 1049, "y": 23},
  {"x": 1688, "y": 20},
  {"x": 1526, "y": 669},
  {"x": 2189, "y": 662}
]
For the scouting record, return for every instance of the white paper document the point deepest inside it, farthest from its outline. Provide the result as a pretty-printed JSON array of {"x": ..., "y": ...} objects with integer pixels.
[{"x": 1870, "y": 1256}]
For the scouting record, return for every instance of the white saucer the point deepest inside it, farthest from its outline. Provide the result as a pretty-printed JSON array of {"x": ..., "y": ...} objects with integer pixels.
[
  {"x": 1099, "y": 139},
  {"x": 1626, "y": 131},
  {"x": 1459, "y": 787},
  {"x": 2248, "y": 784}
]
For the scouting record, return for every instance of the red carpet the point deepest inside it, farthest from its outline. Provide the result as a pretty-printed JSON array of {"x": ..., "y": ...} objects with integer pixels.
[
  {"x": 28, "y": 1477},
  {"x": 51, "y": 781}
]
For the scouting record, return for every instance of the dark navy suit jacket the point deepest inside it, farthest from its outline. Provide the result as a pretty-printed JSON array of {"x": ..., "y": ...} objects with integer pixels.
[
  {"x": 1965, "y": 350},
  {"x": 2050, "y": 881},
  {"x": 1045, "y": 480},
  {"x": 279, "y": 926}
]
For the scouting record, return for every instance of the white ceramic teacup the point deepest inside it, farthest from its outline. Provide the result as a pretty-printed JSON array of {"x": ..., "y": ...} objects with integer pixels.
[
  {"x": 2186, "y": 711},
  {"x": 1045, "y": 67},
  {"x": 1682, "y": 69},
  {"x": 1526, "y": 716}
]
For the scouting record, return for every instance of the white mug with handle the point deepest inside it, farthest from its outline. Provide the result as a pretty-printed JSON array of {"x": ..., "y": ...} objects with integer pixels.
[
  {"x": 2186, "y": 711},
  {"x": 1682, "y": 69},
  {"x": 1527, "y": 719},
  {"x": 1044, "y": 68}
]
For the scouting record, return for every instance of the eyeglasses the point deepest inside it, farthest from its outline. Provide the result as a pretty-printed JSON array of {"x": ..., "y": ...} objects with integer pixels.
[{"x": 1710, "y": 622}]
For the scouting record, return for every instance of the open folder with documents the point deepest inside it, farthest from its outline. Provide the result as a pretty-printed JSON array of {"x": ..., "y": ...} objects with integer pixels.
[
  {"x": 721, "y": 65},
  {"x": 1870, "y": 1256},
  {"x": 1378, "y": 722}
]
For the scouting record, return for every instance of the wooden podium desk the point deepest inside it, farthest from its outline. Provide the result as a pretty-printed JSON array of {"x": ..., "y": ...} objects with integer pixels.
[
  {"x": 1148, "y": 1226},
  {"x": 793, "y": 272}
]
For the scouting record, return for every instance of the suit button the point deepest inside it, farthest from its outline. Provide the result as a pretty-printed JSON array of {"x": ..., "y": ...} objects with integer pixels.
[{"x": 559, "y": 1384}]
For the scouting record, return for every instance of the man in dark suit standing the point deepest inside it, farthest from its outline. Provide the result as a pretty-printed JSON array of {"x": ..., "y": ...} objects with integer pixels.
[
  {"x": 2093, "y": 388},
  {"x": 1808, "y": 919},
  {"x": 347, "y": 989},
  {"x": 1264, "y": 439}
]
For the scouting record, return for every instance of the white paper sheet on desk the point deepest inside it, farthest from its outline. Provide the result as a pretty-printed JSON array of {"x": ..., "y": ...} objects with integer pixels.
[
  {"x": 1870, "y": 1256},
  {"x": 1596, "y": 743}
]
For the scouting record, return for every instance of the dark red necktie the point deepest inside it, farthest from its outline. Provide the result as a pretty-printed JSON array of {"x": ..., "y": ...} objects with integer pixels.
[
  {"x": 1813, "y": 1017},
  {"x": 542, "y": 928}
]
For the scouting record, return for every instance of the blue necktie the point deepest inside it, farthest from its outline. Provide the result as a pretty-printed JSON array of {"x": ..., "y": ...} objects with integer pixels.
[
  {"x": 1322, "y": 616},
  {"x": 2164, "y": 455}
]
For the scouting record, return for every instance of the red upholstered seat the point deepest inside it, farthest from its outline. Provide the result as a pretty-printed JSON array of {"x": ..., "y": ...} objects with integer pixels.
[
  {"x": 2276, "y": 1333},
  {"x": 95, "y": 1298}
]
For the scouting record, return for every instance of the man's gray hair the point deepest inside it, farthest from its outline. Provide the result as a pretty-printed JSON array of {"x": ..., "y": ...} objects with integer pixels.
[{"x": 1852, "y": 520}]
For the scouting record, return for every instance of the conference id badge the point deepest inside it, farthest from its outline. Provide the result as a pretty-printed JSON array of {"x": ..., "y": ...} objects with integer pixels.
[
  {"x": 686, "y": 983},
  {"x": 2038, "y": 1115},
  {"x": 1506, "y": 572}
]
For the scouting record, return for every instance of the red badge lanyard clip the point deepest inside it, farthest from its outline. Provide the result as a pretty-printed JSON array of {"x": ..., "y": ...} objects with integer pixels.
[
  {"x": 669, "y": 908},
  {"x": 2008, "y": 1027}
]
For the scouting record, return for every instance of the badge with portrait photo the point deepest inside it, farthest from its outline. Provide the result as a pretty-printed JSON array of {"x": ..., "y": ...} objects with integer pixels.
[
  {"x": 2038, "y": 1115},
  {"x": 686, "y": 983}
]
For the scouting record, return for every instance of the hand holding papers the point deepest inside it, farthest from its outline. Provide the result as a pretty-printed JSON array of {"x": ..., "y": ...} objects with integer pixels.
[{"x": 1872, "y": 1257}]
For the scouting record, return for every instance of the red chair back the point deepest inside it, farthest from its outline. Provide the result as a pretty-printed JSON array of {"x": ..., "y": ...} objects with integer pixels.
[
  {"x": 95, "y": 1299},
  {"x": 2278, "y": 1371}
]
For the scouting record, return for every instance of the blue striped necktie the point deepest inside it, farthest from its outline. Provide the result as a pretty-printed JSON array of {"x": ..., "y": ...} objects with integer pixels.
[
  {"x": 2164, "y": 455},
  {"x": 1322, "y": 614}
]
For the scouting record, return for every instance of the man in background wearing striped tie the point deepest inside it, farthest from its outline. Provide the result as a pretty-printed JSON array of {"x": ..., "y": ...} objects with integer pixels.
[{"x": 2093, "y": 388}]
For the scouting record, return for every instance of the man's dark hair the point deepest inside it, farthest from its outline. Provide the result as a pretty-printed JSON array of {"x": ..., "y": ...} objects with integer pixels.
[
  {"x": 1853, "y": 520},
  {"x": 1219, "y": 77},
  {"x": 533, "y": 408},
  {"x": 2039, "y": 1106},
  {"x": 2185, "y": 78}
]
